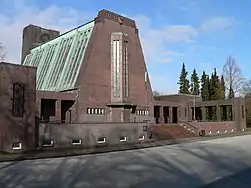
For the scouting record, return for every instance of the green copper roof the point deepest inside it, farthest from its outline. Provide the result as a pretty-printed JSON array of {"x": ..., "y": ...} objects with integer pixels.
[{"x": 58, "y": 61}]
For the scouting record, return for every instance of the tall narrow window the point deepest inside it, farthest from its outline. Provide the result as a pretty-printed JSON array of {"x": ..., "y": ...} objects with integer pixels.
[
  {"x": 18, "y": 100},
  {"x": 145, "y": 76},
  {"x": 116, "y": 67},
  {"x": 126, "y": 80}
]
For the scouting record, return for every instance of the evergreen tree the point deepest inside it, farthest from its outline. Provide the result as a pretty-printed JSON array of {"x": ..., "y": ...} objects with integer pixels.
[
  {"x": 222, "y": 88},
  {"x": 214, "y": 86},
  {"x": 209, "y": 87},
  {"x": 183, "y": 81},
  {"x": 204, "y": 86},
  {"x": 195, "y": 83}
]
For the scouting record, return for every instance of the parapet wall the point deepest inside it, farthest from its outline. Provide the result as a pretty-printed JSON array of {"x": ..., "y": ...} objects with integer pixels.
[
  {"x": 213, "y": 128},
  {"x": 91, "y": 135}
]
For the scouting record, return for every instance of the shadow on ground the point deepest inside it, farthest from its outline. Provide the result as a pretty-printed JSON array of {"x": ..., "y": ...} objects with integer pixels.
[{"x": 208, "y": 164}]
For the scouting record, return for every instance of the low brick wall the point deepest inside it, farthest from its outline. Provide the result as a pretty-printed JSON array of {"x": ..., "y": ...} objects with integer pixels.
[
  {"x": 90, "y": 135},
  {"x": 213, "y": 128}
]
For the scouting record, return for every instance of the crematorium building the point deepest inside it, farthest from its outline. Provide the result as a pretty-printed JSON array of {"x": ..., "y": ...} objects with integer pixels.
[{"x": 90, "y": 85}]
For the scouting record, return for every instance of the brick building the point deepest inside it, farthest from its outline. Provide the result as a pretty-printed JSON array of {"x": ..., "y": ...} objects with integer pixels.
[{"x": 95, "y": 76}]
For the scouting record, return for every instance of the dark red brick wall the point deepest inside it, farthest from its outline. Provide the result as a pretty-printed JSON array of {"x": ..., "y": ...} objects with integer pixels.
[
  {"x": 215, "y": 126},
  {"x": 95, "y": 74},
  {"x": 17, "y": 129}
]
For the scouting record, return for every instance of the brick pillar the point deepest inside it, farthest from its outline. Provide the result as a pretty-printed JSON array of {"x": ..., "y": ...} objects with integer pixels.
[
  {"x": 170, "y": 114},
  {"x": 161, "y": 115},
  {"x": 179, "y": 113},
  {"x": 38, "y": 107},
  {"x": 203, "y": 108},
  {"x": 234, "y": 114},
  {"x": 190, "y": 113},
  {"x": 237, "y": 114},
  {"x": 218, "y": 112},
  {"x": 58, "y": 110}
]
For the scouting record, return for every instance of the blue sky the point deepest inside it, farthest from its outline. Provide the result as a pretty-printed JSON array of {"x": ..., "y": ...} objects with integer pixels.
[{"x": 200, "y": 33}]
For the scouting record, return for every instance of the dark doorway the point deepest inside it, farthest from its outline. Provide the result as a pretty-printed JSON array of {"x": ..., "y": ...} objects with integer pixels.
[
  {"x": 157, "y": 114},
  {"x": 166, "y": 114},
  {"x": 175, "y": 114},
  {"x": 48, "y": 109},
  {"x": 198, "y": 113},
  {"x": 65, "y": 106}
]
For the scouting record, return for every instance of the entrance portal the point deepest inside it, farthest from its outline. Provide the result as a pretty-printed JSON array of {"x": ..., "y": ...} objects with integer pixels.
[
  {"x": 65, "y": 106},
  {"x": 157, "y": 114},
  {"x": 48, "y": 109},
  {"x": 175, "y": 114},
  {"x": 166, "y": 114}
]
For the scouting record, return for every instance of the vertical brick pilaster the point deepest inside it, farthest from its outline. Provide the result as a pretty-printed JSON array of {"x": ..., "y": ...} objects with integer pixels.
[
  {"x": 38, "y": 107},
  {"x": 203, "y": 109},
  {"x": 170, "y": 114},
  {"x": 58, "y": 110},
  {"x": 218, "y": 112}
]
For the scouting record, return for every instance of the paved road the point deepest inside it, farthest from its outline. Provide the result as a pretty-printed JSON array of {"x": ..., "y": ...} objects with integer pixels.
[{"x": 214, "y": 163}]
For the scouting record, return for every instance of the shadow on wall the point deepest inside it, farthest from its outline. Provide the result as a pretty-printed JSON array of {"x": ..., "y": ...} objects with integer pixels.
[
  {"x": 18, "y": 129},
  {"x": 154, "y": 167}
]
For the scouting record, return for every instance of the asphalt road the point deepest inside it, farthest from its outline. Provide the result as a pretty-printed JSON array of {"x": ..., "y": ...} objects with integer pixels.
[{"x": 213, "y": 163}]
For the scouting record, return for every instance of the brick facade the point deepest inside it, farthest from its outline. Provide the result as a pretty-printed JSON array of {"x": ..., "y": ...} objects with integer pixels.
[
  {"x": 17, "y": 121},
  {"x": 112, "y": 87}
]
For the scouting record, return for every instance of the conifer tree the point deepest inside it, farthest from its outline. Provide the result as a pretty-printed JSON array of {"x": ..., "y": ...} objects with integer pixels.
[
  {"x": 222, "y": 88},
  {"x": 214, "y": 86},
  {"x": 214, "y": 92},
  {"x": 183, "y": 81},
  {"x": 195, "y": 83},
  {"x": 209, "y": 87},
  {"x": 204, "y": 86}
]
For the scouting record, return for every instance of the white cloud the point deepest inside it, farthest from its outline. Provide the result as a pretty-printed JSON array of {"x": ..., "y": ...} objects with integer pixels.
[
  {"x": 156, "y": 41},
  {"x": 53, "y": 17},
  {"x": 217, "y": 23}
]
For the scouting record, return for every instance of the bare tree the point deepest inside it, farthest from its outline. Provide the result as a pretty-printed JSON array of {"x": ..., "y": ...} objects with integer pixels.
[
  {"x": 233, "y": 77},
  {"x": 2, "y": 52},
  {"x": 246, "y": 90},
  {"x": 156, "y": 93}
]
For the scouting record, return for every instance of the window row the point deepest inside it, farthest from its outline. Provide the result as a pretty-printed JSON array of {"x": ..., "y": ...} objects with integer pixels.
[
  {"x": 101, "y": 140},
  {"x": 99, "y": 111},
  {"x": 225, "y": 131},
  {"x": 210, "y": 131},
  {"x": 142, "y": 112}
]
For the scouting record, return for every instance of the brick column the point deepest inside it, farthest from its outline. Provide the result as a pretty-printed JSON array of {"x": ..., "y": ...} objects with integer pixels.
[
  {"x": 203, "y": 108},
  {"x": 170, "y": 114},
  {"x": 161, "y": 115},
  {"x": 179, "y": 113},
  {"x": 58, "y": 110},
  {"x": 190, "y": 113},
  {"x": 38, "y": 108},
  {"x": 218, "y": 109},
  {"x": 237, "y": 114}
]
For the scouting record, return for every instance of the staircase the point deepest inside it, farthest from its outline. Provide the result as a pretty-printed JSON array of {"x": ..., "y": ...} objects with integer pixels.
[
  {"x": 171, "y": 132},
  {"x": 190, "y": 126}
]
